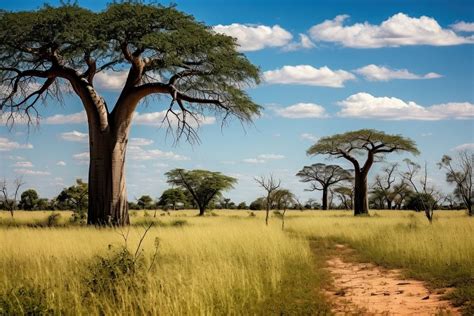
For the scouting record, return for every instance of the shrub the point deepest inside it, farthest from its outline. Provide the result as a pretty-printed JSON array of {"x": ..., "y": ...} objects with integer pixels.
[
  {"x": 25, "y": 300},
  {"x": 53, "y": 219}
]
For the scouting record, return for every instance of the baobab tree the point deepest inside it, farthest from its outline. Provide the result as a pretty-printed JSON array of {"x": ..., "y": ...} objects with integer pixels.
[
  {"x": 321, "y": 177},
  {"x": 165, "y": 53},
  {"x": 270, "y": 185},
  {"x": 459, "y": 172},
  {"x": 368, "y": 143}
]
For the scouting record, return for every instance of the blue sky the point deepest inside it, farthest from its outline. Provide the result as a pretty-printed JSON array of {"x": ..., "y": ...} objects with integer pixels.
[{"x": 404, "y": 67}]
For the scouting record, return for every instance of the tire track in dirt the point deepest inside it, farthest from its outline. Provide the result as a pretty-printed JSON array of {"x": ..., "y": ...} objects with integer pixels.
[{"x": 367, "y": 289}]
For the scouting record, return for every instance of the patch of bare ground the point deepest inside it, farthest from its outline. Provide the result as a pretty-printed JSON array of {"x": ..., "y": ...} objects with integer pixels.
[{"x": 367, "y": 289}]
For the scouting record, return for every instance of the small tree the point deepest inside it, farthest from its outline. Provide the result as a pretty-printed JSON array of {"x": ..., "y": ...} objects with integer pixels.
[
  {"x": 351, "y": 145},
  {"x": 426, "y": 196},
  {"x": 283, "y": 200},
  {"x": 75, "y": 197},
  {"x": 384, "y": 184},
  {"x": 459, "y": 172},
  {"x": 269, "y": 184},
  {"x": 145, "y": 202},
  {"x": 9, "y": 201},
  {"x": 172, "y": 197},
  {"x": 242, "y": 206},
  {"x": 321, "y": 177},
  {"x": 258, "y": 204},
  {"x": 203, "y": 185},
  {"x": 29, "y": 200},
  {"x": 345, "y": 195}
]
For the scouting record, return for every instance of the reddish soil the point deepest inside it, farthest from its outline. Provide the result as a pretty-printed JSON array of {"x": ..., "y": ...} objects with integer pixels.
[{"x": 367, "y": 289}]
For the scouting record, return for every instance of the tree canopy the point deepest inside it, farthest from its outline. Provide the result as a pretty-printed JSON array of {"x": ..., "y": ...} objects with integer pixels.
[
  {"x": 203, "y": 185},
  {"x": 352, "y": 144},
  {"x": 166, "y": 51}
]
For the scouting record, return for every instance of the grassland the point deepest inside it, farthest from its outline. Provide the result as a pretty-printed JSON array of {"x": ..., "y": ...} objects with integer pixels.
[{"x": 230, "y": 263}]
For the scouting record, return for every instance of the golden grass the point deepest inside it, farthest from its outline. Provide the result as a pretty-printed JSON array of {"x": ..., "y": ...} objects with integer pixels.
[
  {"x": 229, "y": 263},
  {"x": 215, "y": 265}
]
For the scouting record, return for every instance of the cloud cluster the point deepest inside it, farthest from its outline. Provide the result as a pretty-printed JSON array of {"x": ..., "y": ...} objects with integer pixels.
[
  {"x": 302, "y": 110},
  {"x": 30, "y": 172},
  {"x": 156, "y": 119},
  {"x": 380, "y": 73},
  {"x": 464, "y": 147},
  {"x": 309, "y": 136},
  {"x": 398, "y": 30},
  {"x": 255, "y": 37},
  {"x": 263, "y": 158},
  {"x": 365, "y": 105},
  {"x": 75, "y": 136},
  {"x": 7, "y": 145},
  {"x": 111, "y": 80},
  {"x": 60, "y": 119},
  {"x": 308, "y": 75},
  {"x": 463, "y": 26}
]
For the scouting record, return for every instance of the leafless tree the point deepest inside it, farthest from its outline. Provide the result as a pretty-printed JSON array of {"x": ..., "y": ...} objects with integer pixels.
[
  {"x": 384, "y": 183},
  {"x": 269, "y": 184},
  {"x": 10, "y": 199},
  {"x": 429, "y": 196},
  {"x": 459, "y": 172}
]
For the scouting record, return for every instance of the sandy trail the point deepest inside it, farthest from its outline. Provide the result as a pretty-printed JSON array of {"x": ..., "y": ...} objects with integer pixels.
[{"x": 364, "y": 288}]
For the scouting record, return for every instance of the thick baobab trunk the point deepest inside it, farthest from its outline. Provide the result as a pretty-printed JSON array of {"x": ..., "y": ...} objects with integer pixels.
[
  {"x": 361, "y": 204},
  {"x": 107, "y": 189},
  {"x": 389, "y": 204},
  {"x": 325, "y": 198}
]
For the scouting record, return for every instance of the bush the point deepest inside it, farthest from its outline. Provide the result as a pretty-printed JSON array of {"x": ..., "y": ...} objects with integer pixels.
[
  {"x": 25, "y": 300},
  {"x": 420, "y": 201}
]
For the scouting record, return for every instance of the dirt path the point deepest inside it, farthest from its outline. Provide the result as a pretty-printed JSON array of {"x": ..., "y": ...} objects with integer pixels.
[{"x": 364, "y": 288}]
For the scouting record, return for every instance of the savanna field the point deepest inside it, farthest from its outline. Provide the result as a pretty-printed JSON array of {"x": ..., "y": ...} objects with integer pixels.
[{"x": 226, "y": 263}]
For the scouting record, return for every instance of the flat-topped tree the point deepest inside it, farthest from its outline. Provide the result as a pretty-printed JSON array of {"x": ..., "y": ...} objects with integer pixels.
[
  {"x": 204, "y": 186},
  {"x": 370, "y": 144},
  {"x": 165, "y": 52},
  {"x": 321, "y": 177}
]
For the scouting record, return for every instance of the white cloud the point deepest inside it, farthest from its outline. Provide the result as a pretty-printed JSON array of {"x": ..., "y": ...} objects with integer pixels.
[
  {"x": 426, "y": 134},
  {"x": 138, "y": 153},
  {"x": 365, "y": 105},
  {"x": 32, "y": 172},
  {"x": 7, "y": 145},
  {"x": 381, "y": 73},
  {"x": 75, "y": 136},
  {"x": 463, "y": 147},
  {"x": 75, "y": 118},
  {"x": 253, "y": 160},
  {"x": 82, "y": 156},
  {"x": 271, "y": 156},
  {"x": 304, "y": 43},
  {"x": 140, "y": 141},
  {"x": 463, "y": 26},
  {"x": 398, "y": 30},
  {"x": 23, "y": 164},
  {"x": 255, "y": 37},
  {"x": 308, "y": 75},
  {"x": 61, "y": 163},
  {"x": 309, "y": 137},
  {"x": 156, "y": 119},
  {"x": 302, "y": 110},
  {"x": 111, "y": 80}
]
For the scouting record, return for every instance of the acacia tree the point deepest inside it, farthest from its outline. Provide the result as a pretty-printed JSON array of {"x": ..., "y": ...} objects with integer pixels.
[
  {"x": 204, "y": 186},
  {"x": 165, "y": 53},
  {"x": 321, "y": 177},
  {"x": 270, "y": 185},
  {"x": 368, "y": 143},
  {"x": 460, "y": 173},
  {"x": 75, "y": 197},
  {"x": 29, "y": 200}
]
